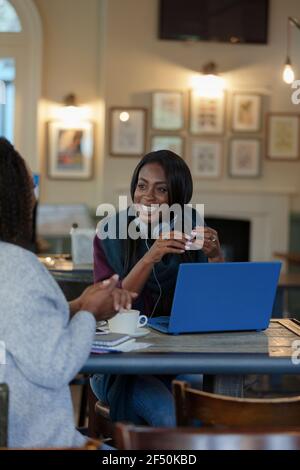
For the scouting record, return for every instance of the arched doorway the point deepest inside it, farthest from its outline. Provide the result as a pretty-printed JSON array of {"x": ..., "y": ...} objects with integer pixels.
[{"x": 21, "y": 48}]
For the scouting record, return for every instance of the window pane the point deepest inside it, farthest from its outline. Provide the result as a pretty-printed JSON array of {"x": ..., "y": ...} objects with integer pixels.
[
  {"x": 9, "y": 20},
  {"x": 7, "y": 110}
]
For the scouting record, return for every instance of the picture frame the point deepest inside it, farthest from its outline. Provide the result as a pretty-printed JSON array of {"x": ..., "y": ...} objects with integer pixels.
[
  {"x": 246, "y": 112},
  {"x": 167, "y": 110},
  {"x": 245, "y": 158},
  {"x": 174, "y": 143},
  {"x": 207, "y": 159},
  {"x": 283, "y": 142},
  {"x": 128, "y": 131},
  {"x": 207, "y": 115},
  {"x": 70, "y": 150}
]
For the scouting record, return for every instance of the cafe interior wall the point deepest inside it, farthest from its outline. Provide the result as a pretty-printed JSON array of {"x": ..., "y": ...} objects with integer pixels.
[
  {"x": 108, "y": 53},
  {"x": 72, "y": 32}
]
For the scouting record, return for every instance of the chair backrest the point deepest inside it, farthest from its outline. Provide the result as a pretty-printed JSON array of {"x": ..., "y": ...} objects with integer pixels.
[
  {"x": 129, "y": 437},
  {"x": 91, "y": 444},
  {"x": 3, "y": 414},
  {"x": 214, "y": 410}
]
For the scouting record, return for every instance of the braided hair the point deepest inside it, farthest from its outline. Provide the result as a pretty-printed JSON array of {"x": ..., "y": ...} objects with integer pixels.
[{"x": 16, "y": 197}]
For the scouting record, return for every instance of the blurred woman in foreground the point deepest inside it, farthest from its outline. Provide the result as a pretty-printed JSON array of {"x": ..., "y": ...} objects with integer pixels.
[{"x": 47, "y": 339}]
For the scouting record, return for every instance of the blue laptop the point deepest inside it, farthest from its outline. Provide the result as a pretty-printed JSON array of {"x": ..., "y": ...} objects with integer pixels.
[{"x": 221, "y": 297}]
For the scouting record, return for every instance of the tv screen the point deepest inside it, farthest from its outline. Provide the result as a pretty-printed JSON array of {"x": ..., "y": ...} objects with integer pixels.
[{"x": 235, "y": 21}]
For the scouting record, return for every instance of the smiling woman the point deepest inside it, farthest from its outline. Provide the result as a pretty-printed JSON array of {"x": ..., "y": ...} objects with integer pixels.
[{"x": 149, "y": 265}]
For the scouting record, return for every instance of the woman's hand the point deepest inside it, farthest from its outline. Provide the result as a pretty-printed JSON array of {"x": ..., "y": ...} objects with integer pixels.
[
  {"x": 207, "y": 239},
  {"x": 171, "y": 242},
  {"x": 103, "y": 299}
]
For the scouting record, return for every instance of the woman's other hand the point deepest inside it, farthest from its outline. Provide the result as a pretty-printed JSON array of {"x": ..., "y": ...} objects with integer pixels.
[{"x": 207, "y": 239}]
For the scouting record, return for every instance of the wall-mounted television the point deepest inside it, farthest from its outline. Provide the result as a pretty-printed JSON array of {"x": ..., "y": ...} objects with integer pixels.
[{"x": 234, "y": 21}]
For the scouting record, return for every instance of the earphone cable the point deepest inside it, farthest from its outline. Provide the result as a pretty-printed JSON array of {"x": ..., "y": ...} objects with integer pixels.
[{"x": 158, "y": 284}]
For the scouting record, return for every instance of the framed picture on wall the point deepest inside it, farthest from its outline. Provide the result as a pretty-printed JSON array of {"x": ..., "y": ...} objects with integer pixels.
[
  {"x": 174, "y": 143},
  {"x": 246, "y": 112},
  {"x": 70, "y": 150},
  {"x": 245, "y": 158},
  {"x": 206, "y": 159},
  {"x": 283, "y": 136},
  {"x": 207, "y": 115},
  {"x": 167, "y": 110},
  {"x": 127, "y": 131}
]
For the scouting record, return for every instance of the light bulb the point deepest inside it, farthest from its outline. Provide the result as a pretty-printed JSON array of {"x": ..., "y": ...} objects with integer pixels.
[
  {"x": 124, "y": 117},
  {"x": 288, "y": 74}
]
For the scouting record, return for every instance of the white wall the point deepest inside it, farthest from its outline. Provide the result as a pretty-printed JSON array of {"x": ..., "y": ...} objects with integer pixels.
[
  {"x": 108, "y": 50},
  {"x": 72, "y": 37}
]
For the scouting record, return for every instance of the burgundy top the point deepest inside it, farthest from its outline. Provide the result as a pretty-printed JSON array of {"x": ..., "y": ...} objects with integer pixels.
[{"x": 103, "y": 270}]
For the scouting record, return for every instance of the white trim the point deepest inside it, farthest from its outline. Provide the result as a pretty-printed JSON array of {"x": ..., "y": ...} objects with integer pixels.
[
  {"x": 26, "y": 48},
  {"x": 268, "y": 213}
]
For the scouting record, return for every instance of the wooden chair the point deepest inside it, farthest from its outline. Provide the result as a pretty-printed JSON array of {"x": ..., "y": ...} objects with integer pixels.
[
  {"x": 91, "y": 444},
  {"x": 219, "y": 410},
  {"x": 105, "y": 423},
  {"x": 83, "y": 381},
  {"x": 100, "y": 423},
  {"x": 3, "y": 414},
  {"x": 129, "y": 437}
]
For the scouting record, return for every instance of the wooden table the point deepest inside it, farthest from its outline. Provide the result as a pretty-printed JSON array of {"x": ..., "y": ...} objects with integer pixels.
[
  {"x": 223, "y": 358},
  {"x": 289, "y": 258},
  {"x": 287, "y": 282}
]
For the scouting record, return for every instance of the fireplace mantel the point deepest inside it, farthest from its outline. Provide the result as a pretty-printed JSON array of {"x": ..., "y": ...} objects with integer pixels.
[{"x": 268, "y": 213}]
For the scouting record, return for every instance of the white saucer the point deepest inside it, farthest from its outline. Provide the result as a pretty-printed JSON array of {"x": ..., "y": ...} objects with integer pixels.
[{"x": 140, "y": 332}]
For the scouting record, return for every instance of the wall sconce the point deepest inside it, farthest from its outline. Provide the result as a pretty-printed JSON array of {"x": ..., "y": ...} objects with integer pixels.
[
  {"x": 70, "y": 111},
  {"x": 209, "y": 84},
  {"x": 288, "y": 72},
  {"x": 71, "y": 114},
  {"x": 70, "y": 100}
]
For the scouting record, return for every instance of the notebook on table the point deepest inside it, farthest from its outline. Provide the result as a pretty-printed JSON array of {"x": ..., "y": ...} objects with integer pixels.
[
  {"x": 110, "y": 339},
  {"x": 109, "y": 342}
]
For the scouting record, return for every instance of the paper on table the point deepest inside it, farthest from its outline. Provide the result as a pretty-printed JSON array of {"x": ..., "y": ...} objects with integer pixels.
[
  {"x": 127, "y": 346},
  {"x": 132, "y": 345},
  {"x": 117, "y": 348}
]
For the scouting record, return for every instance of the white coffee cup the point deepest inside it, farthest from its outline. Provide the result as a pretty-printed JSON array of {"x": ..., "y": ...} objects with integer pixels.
[{"x": 127, "y": 321}]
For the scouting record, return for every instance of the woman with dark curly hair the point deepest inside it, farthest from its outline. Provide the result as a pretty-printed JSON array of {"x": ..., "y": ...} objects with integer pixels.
[
  {"x": 16, "y": 197},
  {"x": 47, "y": 340}
]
